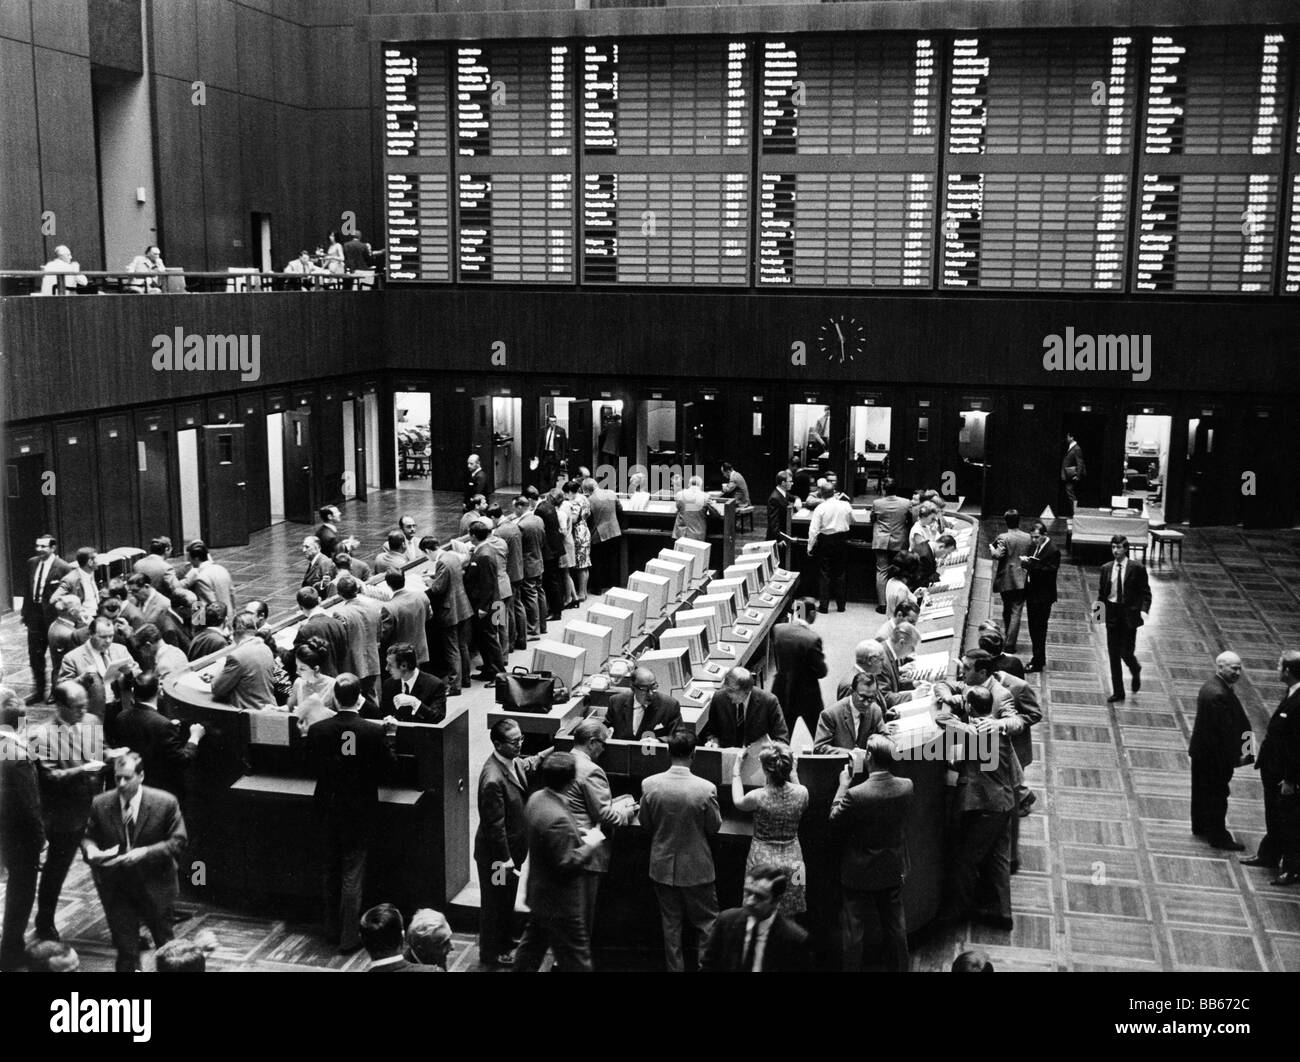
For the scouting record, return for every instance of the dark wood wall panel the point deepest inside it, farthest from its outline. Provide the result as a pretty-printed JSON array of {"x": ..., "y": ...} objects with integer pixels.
[
  {"x": 62, "y": 24},
  {"x": 76, "y": 497},
  {"x": 20, "y": 180},
  {"x": 69, "y": 173},
  {"x": 218, "y": 44},
  {"x": 228, "y": 228},
  {"x": 117, "y": 464},
  {"x": 16, "y": 20},
  {"x": 173, "y": 31},
  {"x": 179, "y": 162}
]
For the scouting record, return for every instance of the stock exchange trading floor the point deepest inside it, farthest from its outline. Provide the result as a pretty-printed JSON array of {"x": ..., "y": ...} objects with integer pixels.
[{"x": 1111, "y": 877}]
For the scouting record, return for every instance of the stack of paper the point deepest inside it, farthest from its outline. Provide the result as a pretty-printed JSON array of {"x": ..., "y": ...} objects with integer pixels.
[
  {"x": 953, "y": 578},
  {"x": 930, "y": 667},
  {"x": 935, "y": 612}
]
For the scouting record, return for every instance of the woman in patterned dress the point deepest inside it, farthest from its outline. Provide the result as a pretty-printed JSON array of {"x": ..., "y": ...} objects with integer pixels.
[
  {"x": 778, "y": 808},
  {"x": 581, "y": 509}
]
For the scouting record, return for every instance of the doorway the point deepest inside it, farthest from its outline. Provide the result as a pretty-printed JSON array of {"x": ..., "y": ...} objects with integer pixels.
[
  {"x": 275, "y": 464},
  {"x": 610, "y": 442},
  {"x": 507, "y": 443},
  {"x": 657, "y": 448},
  {"x": 810, "y": 438},
  {"x": 187, "y": 466},
  {"x": 1146, "y": 462},
  {"x": 973, "y": 450},
  {"x": 573, "y": 418},
  {"x": 1090, "y": 431},
  {"x": 370, "y": 403},
  {"x": 870, "y": 437},
  {"x": 412, "y": 436}
]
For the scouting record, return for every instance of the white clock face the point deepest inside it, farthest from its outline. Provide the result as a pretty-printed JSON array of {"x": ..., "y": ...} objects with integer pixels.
[{"x": 842, "y": 338}]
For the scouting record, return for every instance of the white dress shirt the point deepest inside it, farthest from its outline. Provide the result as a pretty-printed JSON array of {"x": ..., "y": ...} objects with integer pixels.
[{"x": 831, "y": 517}]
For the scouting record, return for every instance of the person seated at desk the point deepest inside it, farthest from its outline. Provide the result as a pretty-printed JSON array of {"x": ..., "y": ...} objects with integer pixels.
[
  {"x": 869, "y": 656},
  {"x": 901, "y": 578},
  {"x": 895, "y": 676},
  {"x": 734, "y": 485},
  {"x": 643, "y": 710},
  {"x": 408, "y": 694},
  {"x": 739, "y": 714},
  {"x": 692, "y": 511},
  {"x": 907, "y": 611},
  {"x": 848, "y": 723}
]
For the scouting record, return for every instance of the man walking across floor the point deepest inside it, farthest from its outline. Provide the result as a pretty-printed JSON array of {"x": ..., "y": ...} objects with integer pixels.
[
  {"x": 1010, "y": 580},
  {"x": 828, "y": 540},
  {"x": 891, "y": 520},
  {"x": 1073, "y": 470},
  {"x": 588, "y": 799},
  {"x": 756, "y": 937},
  {"x": 680, "y": 810},
  {"x": 1125, "y": 597},
  {"x": 1221, "y": 741},
  {"x": 1041, "y": 565},
  {"x": 1279, "y": 771},
  {"x": 552, "y": 449},
  {"x": 45, "y": 572}
]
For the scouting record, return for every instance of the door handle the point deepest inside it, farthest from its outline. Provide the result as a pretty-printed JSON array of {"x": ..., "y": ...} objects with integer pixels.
[
  {"x": 306, "y": 468},
  {"x": 241, "y": 483}
]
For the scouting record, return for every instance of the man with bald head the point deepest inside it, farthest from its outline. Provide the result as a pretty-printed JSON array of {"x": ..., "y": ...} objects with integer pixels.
[
  {"x": 642, "y": 711},
  {"x": 1221, "y": 741},
  {"x": 475, "y": 478},
  {"x": 869, "y": 657},
  {"x": 740, "y": 714}
]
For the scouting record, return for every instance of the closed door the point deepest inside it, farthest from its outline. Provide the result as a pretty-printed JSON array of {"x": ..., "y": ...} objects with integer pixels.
[
  {"x": 225, "y": 515},
  {"x": 27, "y": 515},
  {"x": 117, "y": 506},
  {"x": 1213, "y": 485},
  {"x": 298, "y": 502},
  {"x": 354, "y": 455},
  {"x": 922, "y": 446},
  {"x": 154, "y": 484}
]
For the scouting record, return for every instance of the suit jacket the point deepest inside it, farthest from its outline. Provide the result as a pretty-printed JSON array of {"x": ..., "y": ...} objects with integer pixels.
[
  {"x": 447, "y": 594},
  {"x": 588, "y": 799},
  {"x": 778, "y": 506},
  {"x": 165, "y": 752},
  {"x": 66, "y": 792},
  {"x": 361, "y": 618},
  {"x": 891, "y": 517},
  {"x": 786, "y": 950},
  {"x": 533, "y": 532},
  {"x": 871, "y": 818},
  {"x": 681, "y": 812},
  {"x": 561, "y": 447},
  {"x": 1221, "y": 735},
  {"x": 402, "y": 620},
  {"x": 320, "y": 570},
  {"x": 38, "y": 613},
  {"x": 21, "y": 830},
  {"x": 891, "y": 678},
  {"x": 800, "y": 663},
  {"x": 837, "y": 727},
  {"x": 475, "y": 483},
  {"x": 1024, "y": 701},
  {"x": 1135, "y": 595},
  {"x": 327, "y": 535},
  {"x": 1042, "y": 566},
  {"x": 845, "y": 686},
  {"x": 692, "y": 515},
  {"x": 84, "y": 663},
  {"x": 211, "y": 582},
  {"x": 928, "y": 570},
  {"x": 431, "y": 692},
  {"x": 556, "y": 857},
  {"x": 606, "y": 516},
  {"x": 245, "y": 680},
  {"x": 481, "y": 579},
  {"x": 1072, "y": 467},
  {"x": 1279, "y": 755},
  {"x": 502, "y": 832},
  {"x": 159, "y": 571},
  {"x": 349, "y": 756},
  {"x": 763, "y": 716},
  {"x": 154, "y": 610},
  {"x": 662, "y": 716},
  {"x": 390, "y": 560},
  {"x": 208, "y": 640},
  {"x": 739, "y": 488},
  {"x": 405, "y": 966},
  {"x": 159, "y": 828},
  {"x": 175, "y": 630},
  {"x": 501, "y": 548},
  {"x": 1011, "y": 573},
  {"x": 331, "y": 631},
  {"x": 509, "y": 533}
]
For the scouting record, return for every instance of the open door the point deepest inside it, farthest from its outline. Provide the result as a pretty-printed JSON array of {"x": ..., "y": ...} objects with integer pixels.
[
  {"x": 1103, "y": 475},
  {"x": 225, "y": 514},
  {"x": 299, "y": 504},
  {"x": 154, "y": 480},
  {"x": 482, "y": 436},
  {"x": 354, "y": 453},
  {"x": 1213, "y": 485}
]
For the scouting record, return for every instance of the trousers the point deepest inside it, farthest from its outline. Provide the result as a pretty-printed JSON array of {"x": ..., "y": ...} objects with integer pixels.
[
  {"x": 888, "y": 906},
  {"x": 981, "y": 853},
  {"x": 63, "y": 848},
  {"x": 1210, "y": 787},
  {"x": 1121, "y": 644},
  {"x": 697, "y": 904},
  {"x": 126, "y": 907},
  {"x": 343, "y": 878},
  {"x": 1013, "y": 605},
  {"x": 565, "y": 935},
  {"x": 497, "y": 891},
  {"x": 832, "y": 551},
  {"x": 1040, "y": 614}
]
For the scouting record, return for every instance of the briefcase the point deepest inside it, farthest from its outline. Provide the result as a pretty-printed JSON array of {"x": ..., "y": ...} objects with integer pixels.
[{"x": 521, "y": 690}]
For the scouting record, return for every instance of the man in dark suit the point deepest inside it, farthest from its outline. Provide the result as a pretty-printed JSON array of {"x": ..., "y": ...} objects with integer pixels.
[
  {"x": 849, "y": 723},
  {"x": 1073, "y": 470},
  {"x": 349, "y": 756},
  {"x": 800, "y": 664},
  {"x": 211, "y": 636},
  {"x": 154, "y": 565},
  {"x": 327, "y": 534},
  {"x": 45, "y": 572},
  {"x": 779, "y": 504},
  {"x": 507, "y": 530},
  {"x": 1279, "y": 771},
  {"x": 680, "y": 811},
  {"x": 475, "y": 478},
  {"x": 320, "y": 569},
  {"x": 1010, "y": 578},
  {"x": 642, "y": 710},
  {"x": 452, "y": 614},
  {"x": 151, "y": 606},
  {"x": 552, "y": 448},
  {"x": 1125, "y": 594},
  {"x": 891, "y": 518},
  {"x": 533, "y": 533},
  {"x": 552, "y": 552},
  {"x": 871, "y": 818},
  {"x": 403, "y": 616},
  {"x": 930, "y": 555},
  {"x": 990, "y": 640},
  {"x": 558, "y": 852},
  {"x": 483, "y": 587},
  {"x": 410, "y": 695},
  {"x": 22, "y": 834},
  {"x": 382, "y": 936},
  {"x": 755, "y": 937},
  {"x": 165, "y": 753},
  {"x": 1221, "y": 741},
  {"x": 1041, "y": 564},
  {"x": 739, "y": 714},
  {"x": 133, "y": 838},
  {"x": 501, "y": 840},
  {"x": 317, "y": 623}
]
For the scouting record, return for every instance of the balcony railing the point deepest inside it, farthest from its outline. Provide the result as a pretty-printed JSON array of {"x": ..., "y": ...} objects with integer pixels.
[{"x": 180, "y": 281}]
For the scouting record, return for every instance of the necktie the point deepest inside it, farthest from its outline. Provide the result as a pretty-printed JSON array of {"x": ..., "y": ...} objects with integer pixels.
[
  {"x": 128, "y": 820},
  {"x": 42, "y": 573},
  {"x": 550, "y": 438},
  {"x": 519, "y": 773},
  {"x": 406, "y": 688},
  {"x": 740, "y": 724},
  {"x": 1119, "y": 582},
  {"x": 751, "y": 945},
  {"x": 862, "y": 730}
]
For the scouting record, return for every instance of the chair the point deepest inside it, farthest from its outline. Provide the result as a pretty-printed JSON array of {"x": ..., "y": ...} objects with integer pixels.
[
  {"x": 743, "y": 513},
  {"x": 1162, "y": 540},
  {"x": 241, "y": 280}
]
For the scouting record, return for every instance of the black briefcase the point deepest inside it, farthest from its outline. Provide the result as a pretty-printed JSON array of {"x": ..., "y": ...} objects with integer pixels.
[{"x": 521, "y": 690}]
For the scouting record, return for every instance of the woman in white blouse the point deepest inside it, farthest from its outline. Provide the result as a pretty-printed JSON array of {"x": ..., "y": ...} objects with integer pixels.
[{"x": 312, "y": 698}]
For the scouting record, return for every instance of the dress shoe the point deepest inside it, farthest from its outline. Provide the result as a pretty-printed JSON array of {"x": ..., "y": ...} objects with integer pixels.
[
  {"x": 823, "y": 609},
  {"x": 1031, "y": 668},
  {"x": 454, "y": 693},
  {"x": 1255, "y": 861},
  {"x": 1137, "y": 680},
  {"x": 1226, "y": 843},
  {"x": 534, "y": 637},
  {"x": 1015, "y": 866},
  {"x": 840, "y": 607},
  {"x": 554, "y": 617},
  {"x": 521, "y": 645},
  {"x": 1027, "y": 805},
  {"x": 36, "y": 698},
  {"x": 1291, "y": 877},
  {"x": 880, "y": 609},
  {"x": 1115, "y": 698},
  {"x": 505, "y": 959}
]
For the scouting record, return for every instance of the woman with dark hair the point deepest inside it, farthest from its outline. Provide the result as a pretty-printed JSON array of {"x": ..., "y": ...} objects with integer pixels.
[
  {"x": 332, "y": 261},
  {"x": 778, "y": 809},
  {"x": 312, "y": 698},
  {"x": 901, "y": 578},
  {"x": 577, "y": 501}
]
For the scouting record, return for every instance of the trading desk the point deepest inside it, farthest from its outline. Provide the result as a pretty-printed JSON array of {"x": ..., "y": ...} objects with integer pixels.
[
  {"x": 250, "y": 808},
  {"x": 650, "y": 519}
]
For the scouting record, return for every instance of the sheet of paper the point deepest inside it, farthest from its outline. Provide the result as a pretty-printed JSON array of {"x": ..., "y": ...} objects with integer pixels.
[
  {"x": 953, "y": 577},
  {"x": 930, "y": 667},
  {"x": 937, "y": 613},
  {"x": 752, "y": 772},
  {"x": 268, "y": 728},
  {"x": 942, "y": 632}
]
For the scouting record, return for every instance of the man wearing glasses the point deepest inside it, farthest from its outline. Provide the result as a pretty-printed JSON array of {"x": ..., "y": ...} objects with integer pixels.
[{"x": 643, "y": 710}]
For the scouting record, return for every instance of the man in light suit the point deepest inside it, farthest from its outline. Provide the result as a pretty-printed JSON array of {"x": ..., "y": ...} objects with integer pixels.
[
  {"x": 451, "y": 612},
  {"x": 606, "y": 530},
  {"x": 81, "y": 582},
  {"x": 891, "y": 519},
  {"x": 507, "y": 530},
  {"x": 133, "y": 839},
  {"x": 1125, "y": 595},
  {"x": 849, "y": 723},
  {"x": 1073, "y": 470},
  {"x": 1041, "y": 564},
  {"x": 1222, "y": 740},
  {"x": 739, "y": 714},
  {"x": 152, "y": 607},
  {"x": 154, "y": 565},
  {"x": 320, "y": 569},
  {"x": 692, "y": 519},
  {"x": 552, "y": 448},
  {"x": 755, "y": 937},
  {"x": 393, "y": 556},
  {"x": 800, "y": 664},
  {"x": 245, "y": 678},
  {"x": 734, "y": 485},
  {"x": 1279, "y": 771},
  {"x": 1010, "y": 580},
  {"x": 872, "y": 818},
  {"x": 559, "y": 851},
  {"x": 208, "y": 580},
  {"x": 681, "y": 812},
  {"x": 643, "y": 710},
  {"x": 903, "y": 640},
  {"x": 361, "y": 617},
  {"x": 402, "y": 618},
  {"x": 45, "y": 572},
  {"x": 95, "y": 664},
  {"x": 869, "y": 657},
  {"x": 501, "y": 840},
  {"x": 588, "y": 799}
]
